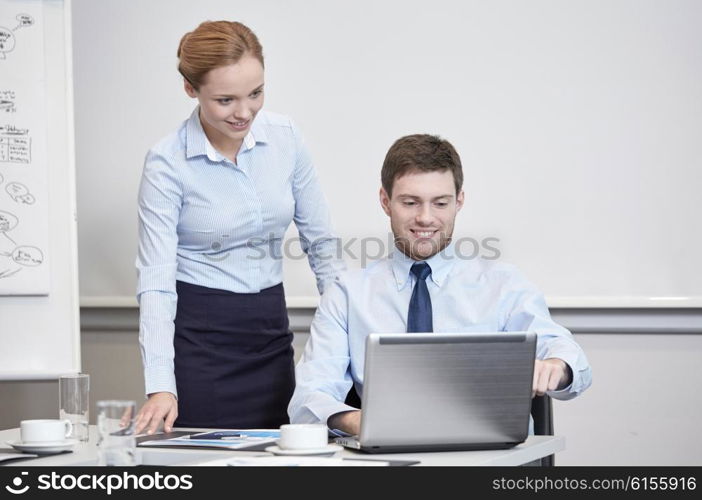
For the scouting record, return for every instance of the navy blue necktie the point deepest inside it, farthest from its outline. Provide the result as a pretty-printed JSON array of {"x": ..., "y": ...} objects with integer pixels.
[{"x": 419, "y": 318}]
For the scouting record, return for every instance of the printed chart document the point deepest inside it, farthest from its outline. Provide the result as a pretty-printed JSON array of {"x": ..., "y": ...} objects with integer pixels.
[{"x": 223, "y": 439}]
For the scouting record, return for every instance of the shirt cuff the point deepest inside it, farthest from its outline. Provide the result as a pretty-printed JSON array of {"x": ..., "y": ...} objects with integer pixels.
[
  {"x": 333, "y": 410},
  {"x": 160, "y": 379},
  {"x": 319, "y": 407},
  {"x": 575, "y": 386}
]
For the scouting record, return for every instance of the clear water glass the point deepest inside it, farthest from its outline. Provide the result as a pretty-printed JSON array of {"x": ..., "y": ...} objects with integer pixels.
[
  {"x": 115, "y": 425},
  {"x": 74, "y": 394}
]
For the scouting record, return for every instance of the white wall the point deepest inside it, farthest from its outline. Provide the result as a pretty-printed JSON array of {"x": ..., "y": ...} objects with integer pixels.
[
  {"x": 644, "y": 405},
  {"x": 578, "y": 123}
]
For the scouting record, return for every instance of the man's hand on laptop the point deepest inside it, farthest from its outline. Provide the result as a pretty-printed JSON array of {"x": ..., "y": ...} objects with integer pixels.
[
  {"x": 550, "y": 375},
  {"x": 347, "y": 421}
]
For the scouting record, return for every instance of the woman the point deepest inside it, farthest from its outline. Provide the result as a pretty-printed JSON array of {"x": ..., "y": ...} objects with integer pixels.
[{"x": 215, "y": 200}]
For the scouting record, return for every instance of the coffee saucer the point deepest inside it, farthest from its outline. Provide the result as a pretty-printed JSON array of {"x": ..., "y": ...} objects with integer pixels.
[
  {"x": 330, "y": 449},
  {"x": 43, "y": 447}
]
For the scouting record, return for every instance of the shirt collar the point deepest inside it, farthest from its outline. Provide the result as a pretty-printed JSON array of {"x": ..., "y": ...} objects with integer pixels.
[
  {"x": 440, "y": 264},
  {"x": 257, "y": 134},
  {"x": 197, "y": 143}
]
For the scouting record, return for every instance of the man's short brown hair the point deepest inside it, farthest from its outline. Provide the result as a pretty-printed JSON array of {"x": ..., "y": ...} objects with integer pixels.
[{"x": 420, "y": 153}]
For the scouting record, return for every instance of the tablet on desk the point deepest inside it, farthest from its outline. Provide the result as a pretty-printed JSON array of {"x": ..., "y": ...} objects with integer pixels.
[{"x": 224, "y": 439}]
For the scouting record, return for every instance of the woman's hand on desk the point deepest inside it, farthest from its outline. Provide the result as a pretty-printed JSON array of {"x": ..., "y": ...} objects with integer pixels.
[{"x": 159, "y": 407}]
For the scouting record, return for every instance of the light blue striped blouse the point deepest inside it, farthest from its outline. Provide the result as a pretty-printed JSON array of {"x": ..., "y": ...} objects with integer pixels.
[{"x": 206, "y": 220}]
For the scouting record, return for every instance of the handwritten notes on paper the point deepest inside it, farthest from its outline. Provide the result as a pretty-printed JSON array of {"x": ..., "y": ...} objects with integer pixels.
[{"x": 24, "y": 210}]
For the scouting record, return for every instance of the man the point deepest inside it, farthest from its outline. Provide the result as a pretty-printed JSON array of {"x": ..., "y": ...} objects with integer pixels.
[{"x": 424, "y": 286}]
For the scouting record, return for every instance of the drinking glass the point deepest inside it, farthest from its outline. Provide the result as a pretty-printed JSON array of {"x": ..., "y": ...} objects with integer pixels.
[
  {"x": 74, "y": 392},
  {"x": 115, "y": 424}
]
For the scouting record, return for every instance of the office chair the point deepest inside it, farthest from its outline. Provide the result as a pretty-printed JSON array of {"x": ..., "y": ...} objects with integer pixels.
[
  {"x": 541, "y": 412},
  {"x": 352, "y": 398}
]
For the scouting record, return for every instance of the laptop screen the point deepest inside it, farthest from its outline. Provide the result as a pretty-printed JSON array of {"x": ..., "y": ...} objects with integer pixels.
[{"x": 438, "y": 389}]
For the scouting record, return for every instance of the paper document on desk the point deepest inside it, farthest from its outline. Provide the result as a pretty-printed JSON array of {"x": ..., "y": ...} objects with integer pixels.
[
  {"x": 226, "y": 439},
  {"x": 14, "y": 456}
]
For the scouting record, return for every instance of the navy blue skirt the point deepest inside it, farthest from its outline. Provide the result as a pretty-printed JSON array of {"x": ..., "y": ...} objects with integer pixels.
[{"x": 234, "y": 362}]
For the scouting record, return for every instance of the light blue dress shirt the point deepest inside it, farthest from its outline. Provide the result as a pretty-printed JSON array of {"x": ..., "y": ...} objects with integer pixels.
[
  {"x": 206, "y": 220},
  {"x": 467, "y": 295}
]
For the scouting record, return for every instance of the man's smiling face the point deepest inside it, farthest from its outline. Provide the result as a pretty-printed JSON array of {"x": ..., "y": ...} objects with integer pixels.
[{"x": 422, "y": 211}]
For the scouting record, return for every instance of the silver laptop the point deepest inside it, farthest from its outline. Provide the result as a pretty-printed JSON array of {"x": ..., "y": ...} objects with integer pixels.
[{"x": 454, "y": 391}]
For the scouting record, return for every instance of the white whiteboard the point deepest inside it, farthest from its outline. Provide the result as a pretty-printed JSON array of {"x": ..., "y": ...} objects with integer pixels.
[
  {"x": 24, "y": 200},
  {"x": 579, "y": 125},
  {"x": 40, "y": 336}
]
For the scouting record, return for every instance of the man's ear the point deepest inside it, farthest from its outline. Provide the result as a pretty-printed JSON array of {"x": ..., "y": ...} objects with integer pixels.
[
  {"x": 189, "y": 89},
  {"x": 385, "y": 201},
  {"x": 460, "y": 200}
]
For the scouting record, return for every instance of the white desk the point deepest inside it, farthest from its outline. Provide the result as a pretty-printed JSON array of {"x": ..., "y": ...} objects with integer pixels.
[{"x": 534, "y": 448}]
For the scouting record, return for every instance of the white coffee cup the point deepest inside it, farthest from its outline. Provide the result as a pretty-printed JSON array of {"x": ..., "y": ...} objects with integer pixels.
[
  {"x": 303, "y": 436},
  {"x": 35, "y": 431}
]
